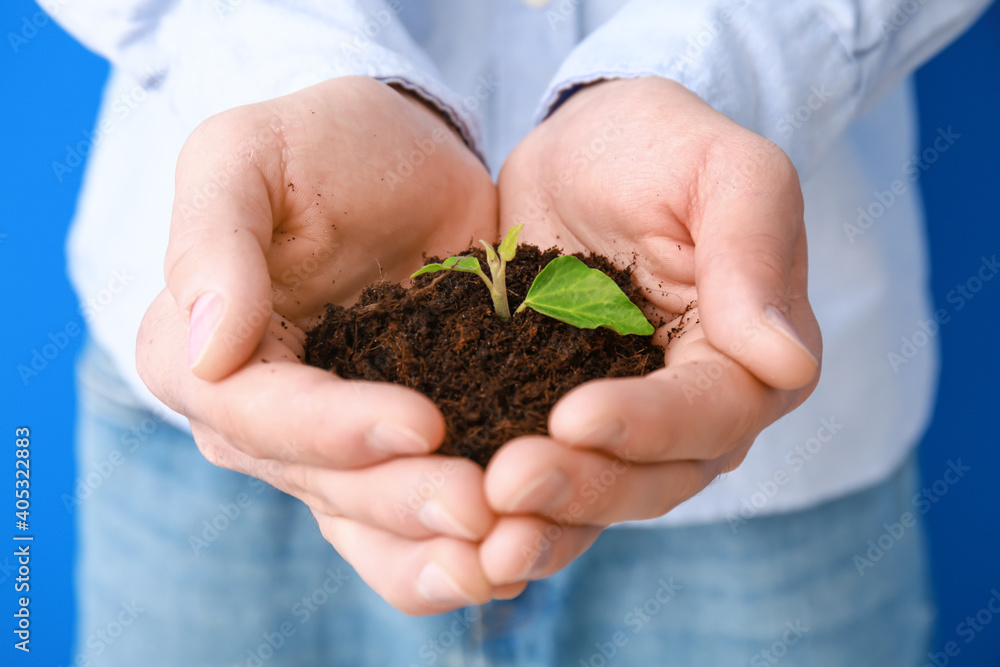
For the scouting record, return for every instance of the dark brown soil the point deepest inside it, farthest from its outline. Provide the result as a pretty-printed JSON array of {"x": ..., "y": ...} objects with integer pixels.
[{"x": 492, "y": 380}]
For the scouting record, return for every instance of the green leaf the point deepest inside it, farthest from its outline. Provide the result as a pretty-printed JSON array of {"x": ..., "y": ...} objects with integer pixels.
[
  {"x": 508, "y": 247},
  {"x": 463, "y": 264},
  {"x": 571, "y": 292}
]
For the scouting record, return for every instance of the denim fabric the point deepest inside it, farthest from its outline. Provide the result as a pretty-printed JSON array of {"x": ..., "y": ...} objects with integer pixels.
[{"x": 183, "y": 564}]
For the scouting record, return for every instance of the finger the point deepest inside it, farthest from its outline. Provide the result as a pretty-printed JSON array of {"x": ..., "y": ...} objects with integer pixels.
[
  {"x": 700, "y": 406},
  {"x": 220, "y": 225},
  {"x": 416, "y": 497},
  {"x": 537, "y": 475},
  {"x": 509, "y": 591},
  {"x": 282, "y": 409},
  {"x": 751, "y": 265},
  {"x": 416, "y": 577},
  {"x": 520, "y": 548}
]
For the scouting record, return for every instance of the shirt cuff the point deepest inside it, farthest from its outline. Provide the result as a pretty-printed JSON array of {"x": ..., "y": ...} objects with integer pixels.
[
  {"x": 260, "y": 51},
  {"x": 736, "y": 56},
  {"x": 798, "y": 73}
]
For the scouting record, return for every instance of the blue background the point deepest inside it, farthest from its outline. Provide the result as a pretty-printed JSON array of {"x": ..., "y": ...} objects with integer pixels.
[{"x": 50, "y": 89}]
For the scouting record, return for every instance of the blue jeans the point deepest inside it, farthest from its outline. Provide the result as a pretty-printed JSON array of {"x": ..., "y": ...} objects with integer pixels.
[{"x": 183, "y": 564}]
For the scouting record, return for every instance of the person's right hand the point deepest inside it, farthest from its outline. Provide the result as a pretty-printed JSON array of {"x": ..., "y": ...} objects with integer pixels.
[{"x": 280, "y": 208}]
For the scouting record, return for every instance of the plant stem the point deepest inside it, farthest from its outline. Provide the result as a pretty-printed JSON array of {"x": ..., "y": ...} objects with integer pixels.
[
  {"x": 498, "y": 290},
  {"x": 499, "y": 293},
  {"x": 498, "y": 286},
  {"x": 485, "y": 279}
]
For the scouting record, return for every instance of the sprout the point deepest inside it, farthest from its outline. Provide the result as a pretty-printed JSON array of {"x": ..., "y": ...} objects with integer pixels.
[
  {"x": 566, "y": 290},
  {"x": 497, "y": 261}
]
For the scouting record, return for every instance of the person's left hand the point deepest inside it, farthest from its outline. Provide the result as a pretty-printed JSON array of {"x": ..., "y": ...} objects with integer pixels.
[{"x": 706, "y": 213}]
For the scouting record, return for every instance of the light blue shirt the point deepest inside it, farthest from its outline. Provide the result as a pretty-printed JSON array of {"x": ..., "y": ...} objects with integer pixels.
[{"x": 825, "y": 79}]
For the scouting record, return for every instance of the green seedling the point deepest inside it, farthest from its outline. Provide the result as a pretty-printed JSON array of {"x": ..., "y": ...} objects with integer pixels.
[
  {"x": 497, "y": 260},
  {"x": 566, "y": 290}
]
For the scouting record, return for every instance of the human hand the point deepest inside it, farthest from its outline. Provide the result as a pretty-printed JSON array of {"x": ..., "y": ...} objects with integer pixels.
[
  {"x": 280, "y": 208},
  {"x": 705, "y": 212}
]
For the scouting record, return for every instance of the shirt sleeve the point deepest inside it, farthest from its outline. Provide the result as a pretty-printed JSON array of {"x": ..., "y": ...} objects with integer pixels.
[
  {"x": 210, "y": 56},
  {"x": 795, "y": 71}
]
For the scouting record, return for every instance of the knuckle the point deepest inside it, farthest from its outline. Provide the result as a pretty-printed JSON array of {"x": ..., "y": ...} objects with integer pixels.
[
  {"x": 690, "y": 482},
  {"x": 660, "y": 505},
  {"x": 211, "y": 450},
  {"x": 657, "y": 501},
  {"x": 222, "y": 416},
  {"x": 748, "y": 397},
  {"x": 183, "y": 252},
  {"x": 734, "y": 460},
  {"x": 716, "y": 447},
  {"x": 780, "y": 168},
  {"x": 308, "y": 484},
  {"x": 298, "y": 478},
  {"x": 220, "y": 131},
  {"x": 770, "y": 248},
  {"x": 327, "y": 526},
  {"x": 751, "y": 163}
]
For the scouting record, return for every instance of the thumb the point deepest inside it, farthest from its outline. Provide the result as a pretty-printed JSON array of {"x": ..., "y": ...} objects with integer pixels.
[
  {"x": 215, "y": 266},
  {"x": 751, "y": 271}
]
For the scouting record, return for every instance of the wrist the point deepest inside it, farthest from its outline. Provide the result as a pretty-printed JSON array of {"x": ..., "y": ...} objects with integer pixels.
[
  {"x": 616, "y": 88},
  {"x": 428, "y": 107}
]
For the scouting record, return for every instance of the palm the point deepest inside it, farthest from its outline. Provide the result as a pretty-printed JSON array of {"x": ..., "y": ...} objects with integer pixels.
[
  {"x": 709, "y": 216},
  {"x": 343, "y": 214},
  {"x": 284, "y": 206},
  {"x": 643, "y": 189}
]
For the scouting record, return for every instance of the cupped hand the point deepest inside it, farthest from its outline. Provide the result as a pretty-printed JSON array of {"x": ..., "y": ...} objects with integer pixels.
[
  {"x": 709, "y": 216},
  {"x": 280, "y": 208}
]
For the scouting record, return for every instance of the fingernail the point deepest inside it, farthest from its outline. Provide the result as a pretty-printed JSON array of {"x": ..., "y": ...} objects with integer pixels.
[
  {"x": 436, "y": 518},
  {"x": 542, "y": 562},
  {"x": 205, "y": 315},
  {"x": 780, "y": 323},
  {"x": 537, "y": 566},
  {"x": 605, "y": 434},
  {"x": 546, "y": 494},
  {"x": 435, "y": 586},
  {"x": 391, "y": 438}
]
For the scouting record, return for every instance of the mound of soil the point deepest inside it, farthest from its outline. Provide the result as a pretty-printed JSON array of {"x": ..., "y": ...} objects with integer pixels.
[{"x": 492, "y": 380}]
